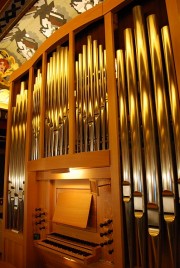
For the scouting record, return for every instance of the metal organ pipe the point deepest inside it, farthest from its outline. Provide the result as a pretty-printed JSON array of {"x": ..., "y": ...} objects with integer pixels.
[
  {"x": 16, "y": 164},
  {"x": 161, "y": 111},
  {"x": 126, "y": 164},
  {"x": 91, "y": 98},
  {"x": 57, "y": 108},
  {"x": 155, "y": 175},
  {"x": 151, "y": 166},
  {"x": 36, "y": 117},
  {"x": 169, "y": 196},
  {"x": 136, "y": 143},
  {"x": 173, "y": 94},
  {"x": 153, "y": 180}
]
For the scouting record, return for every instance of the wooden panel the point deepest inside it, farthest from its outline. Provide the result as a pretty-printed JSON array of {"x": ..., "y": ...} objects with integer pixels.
[
  {"x": 84, "y": 173},
  {"x": 30, "y": 205},
  {"x": 104, "y": 213},
  {"x": 1, "y": 240},
  {"x": 6, "y": 265},
  {"x": 51, "y": 260},
  {"x": 115, "y": 5},
  {"x": 73, "y": 208},
  {"x": 90, "y": 159},
  {"x": 114, "y": 144},
  {"x": 14, "y": 253}
]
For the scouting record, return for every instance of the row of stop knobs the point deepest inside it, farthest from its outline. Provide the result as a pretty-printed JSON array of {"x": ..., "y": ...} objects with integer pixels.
[
  {"x": 39, "y": 223},
  {"x": 107, "y": 234}
]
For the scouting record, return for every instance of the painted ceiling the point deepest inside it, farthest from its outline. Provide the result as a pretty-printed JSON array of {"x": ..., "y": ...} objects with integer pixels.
[{"x": 39, "y": 23}]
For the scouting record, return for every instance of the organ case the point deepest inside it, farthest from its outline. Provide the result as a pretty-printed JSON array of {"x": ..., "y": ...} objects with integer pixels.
[{"x": 70, "y": 106}]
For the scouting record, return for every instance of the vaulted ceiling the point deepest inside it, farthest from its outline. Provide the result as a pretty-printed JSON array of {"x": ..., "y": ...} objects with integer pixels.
[
  {"x": 26, "y": 24},
  {"x": 11, "y": 12}
]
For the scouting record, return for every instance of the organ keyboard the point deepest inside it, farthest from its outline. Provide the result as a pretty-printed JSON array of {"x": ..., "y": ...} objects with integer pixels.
[{"x": 74, "y": 249}]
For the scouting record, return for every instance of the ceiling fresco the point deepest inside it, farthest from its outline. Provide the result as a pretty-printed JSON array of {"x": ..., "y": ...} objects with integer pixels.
[{"x": 39, "y": 23}]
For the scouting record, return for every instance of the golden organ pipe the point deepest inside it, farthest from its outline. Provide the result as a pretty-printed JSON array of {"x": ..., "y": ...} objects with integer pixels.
[
  {"x": 36, "y": 117},
  {"x": 106, "y": 102},
  {"x": 146, "y": 105},
  {"x": 173, "y": 94},
  {"x": 169, "y": 197},
  {"x": 79, "y": 90},
  {"x": 162, "y": 116},
  {"x": 96, "y": 97},
  {"x": 90, "y": 110},
  {"x": 124, "y": 133},
  {"x": 91, "y": 98},
  {"x": 17, "y": 167},
  {"x": 77, "y": 106},
  {"x": 85, "y": 100},
  {"x": 80, "y": 69},
  {"x": 65, "y": 98},
  {"x": 57, "y": 108},
  {"x": 136, "y": 147},
  {"x": 49, "y": 108},
  {"x": 60, "y": 142},
  {"x": 102, "y": 98},
  {"x": 56, "y": 131},
  {"x": 150, "y": 151},
  {"x": 134, "y": 121},
  {"x": 126, "y": 170},
  {"x": 11, "y": 169},
  {"x": 47, "y": 111}
]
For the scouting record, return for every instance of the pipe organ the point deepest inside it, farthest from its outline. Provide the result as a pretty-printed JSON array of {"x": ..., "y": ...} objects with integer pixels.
[
  {"x": 93, "y": 152},
  {"x": 91, "y": 98},
  {"x": 16, "y": 163},
  {"x": 36, "y": 117},
  {"x": 56, "y": 124}
]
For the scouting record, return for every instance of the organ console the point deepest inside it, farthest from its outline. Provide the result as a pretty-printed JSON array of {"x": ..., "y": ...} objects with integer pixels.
[
  {"x": 68, "y": 247},
  {"x": 92, "y": 157}
]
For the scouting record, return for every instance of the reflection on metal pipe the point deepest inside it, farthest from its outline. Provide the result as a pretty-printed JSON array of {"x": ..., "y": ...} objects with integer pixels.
[
  {"x": 162, "y": 116},
  {"x": 137, "y": 166},
  {"x": 35, "y": 146},
  {"x": 124, "y": 133},
  {"x": 173, "y": 94},
  {"x": 126, "y": 170},
  {"x": 57, "y": 104},
  {"x": 91, "y": 98},
  {"x": 16, "y": 164},
  {"x": 152, "y": 180},
  {"x": 90, "y": 111},
  {"x": 167, "y": 173},
  {"x": 151, "y": 166},
  {"x": 134, "y": 121}
]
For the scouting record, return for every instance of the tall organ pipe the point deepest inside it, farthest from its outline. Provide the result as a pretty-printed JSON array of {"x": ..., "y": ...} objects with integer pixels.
[
  {"x": 151, "y": 167},
  {"x": 148, "y": 129},
  {"x": 162, "y": 115},
  {"x": 173, "y": 94},
  {"x": 124, "y": 142},
  {"x": 167, "y": 172},
  {"x": 136, "y": 146}
]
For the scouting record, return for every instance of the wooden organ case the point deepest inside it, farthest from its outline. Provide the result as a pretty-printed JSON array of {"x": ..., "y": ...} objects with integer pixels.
[{"x": 93, "y": 153}]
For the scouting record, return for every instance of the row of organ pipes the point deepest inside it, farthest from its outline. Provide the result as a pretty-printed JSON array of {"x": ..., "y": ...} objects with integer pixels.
[
  {"x": 16, "y": 163},
  {"x": 149, "y": 139},
  {"x": 91, "y": 98},
  {"x": 149, "y": 125},
  {"x": 57, "y": 104}
]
